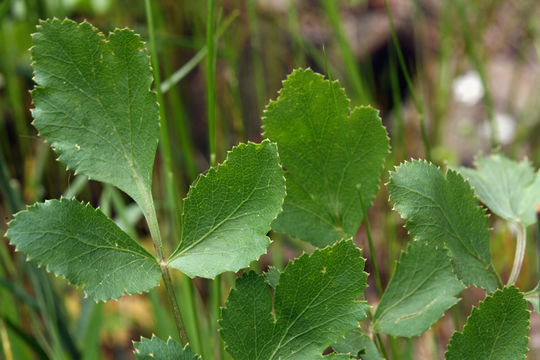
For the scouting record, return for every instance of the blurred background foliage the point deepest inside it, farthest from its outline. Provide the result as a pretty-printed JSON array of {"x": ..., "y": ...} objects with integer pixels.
[{"x": 463, "y": 80}]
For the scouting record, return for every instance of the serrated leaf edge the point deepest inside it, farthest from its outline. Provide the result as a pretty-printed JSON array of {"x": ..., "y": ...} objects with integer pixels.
[
  {"x": 214, "y": 170},
  {"x": 477, "y": 308},
  {"x": 478, "y": 208},
  {"x": 40, "y": 265}
]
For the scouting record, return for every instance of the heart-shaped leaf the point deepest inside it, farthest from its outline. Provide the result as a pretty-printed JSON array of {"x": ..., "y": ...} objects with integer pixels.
[
  {"x": 94, "y": 105},
  {"x": 315, "y": 304},
  {"x": 333, "y": 157}
]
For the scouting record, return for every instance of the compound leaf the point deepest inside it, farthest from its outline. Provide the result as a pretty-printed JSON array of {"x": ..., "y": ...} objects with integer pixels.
[
  {"x": 357, "y": 343},
  {"x": 314, "y": 306},
  {"x": 228, "y": 212},
  {"x": 443, "y": 211},
  {"x": 157, "y": 349},
  {"x": 422, "y": 288},
  {"x": 497, "y": 329},
  {"x": 510, "y": 189},
  {"x": 85, "y": 246},
  {"x": 333, "y": 159},
  {"x": 94, "y": 105}
]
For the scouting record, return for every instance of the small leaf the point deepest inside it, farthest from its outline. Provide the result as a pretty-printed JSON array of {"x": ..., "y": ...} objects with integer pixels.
[
  {"x": 314, "y": 305},
  {"x": 510, "y": 189},
  {"x": 272, "y": 276},
  {"x": 443, "y": 211},
  {"x": 85, "y": 246},
  {"x": 157, "y": 349},
  {"x": 228, "y": 212},
  {"x": 94, "y": 105},
  {"x": 331, "y": 155},
  {"x": 497, "y": 329},
  {"x": 422, "y": 288},
  {"x": 357, "y": 343}
]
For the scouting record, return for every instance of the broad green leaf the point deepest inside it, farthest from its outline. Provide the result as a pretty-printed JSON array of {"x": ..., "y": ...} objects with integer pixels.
[
  {"x": 422, "y": 288},
  {"x": 496, "y": 330},
  {"x": 314, "y": 306},
  {"x": 331, "y": 155},
  {"x": 510, "y": 189},
  {"x": 228, "y": 212},
  {"x": 93, "y": 103},
  {"x": 357, "y": 343},
  {"x": 86, "y": 247},
  {"x": 157, "y": 349},
  {"x": 443, "y": 211}
]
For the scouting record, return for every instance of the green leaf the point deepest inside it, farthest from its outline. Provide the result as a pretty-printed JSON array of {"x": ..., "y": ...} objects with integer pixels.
[
  {"x": 314, "y": 306},
  {"x": 93, "y": 103},
  {"x": 272, "y": 276},
  {"x": 422, "y": 288},
  {"x": 228, "y": 212},
  {"x": 443, "y": 211},
  {"x": 85, "y": 246},
  {"x": 331, "y": 155},
  {"x": 157, "y": 349},
  {"x": 497, "y": 329},
  {"x": 510, "y": 189},
  {"x": 357, "y": 343}
]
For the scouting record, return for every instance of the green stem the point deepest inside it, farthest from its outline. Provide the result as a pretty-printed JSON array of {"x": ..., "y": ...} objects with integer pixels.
[
  {"x": 210, "y": 90},
  {"x": 417, "y": 103},
  {"x": 520, "y": 253},
  {"x": 181, "y": 73},
  {"x": 165, "y": 147},
  {"x": 169, "y": 288},
  {"x": 349, "y": 59},
  {"x": 256, "y": 47},
  {"x": 150, "y": 212},
  {"x": 478, "y": 64},
  {"x": 538, "y": 245},
  {"x": 371, "y": 247},
  {"x": 378, "y": 337},
  {"x": 211, "y": 110}
]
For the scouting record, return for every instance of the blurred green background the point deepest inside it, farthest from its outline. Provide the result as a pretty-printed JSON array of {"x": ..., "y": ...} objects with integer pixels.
[{"x": 463, "y": 80}]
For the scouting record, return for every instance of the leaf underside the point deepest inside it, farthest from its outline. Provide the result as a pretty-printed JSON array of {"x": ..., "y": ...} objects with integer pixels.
[
  {"x": 228, "y": 212},
  {"x": 331, "y": 155},
  {"x": 314, "y": 306},
  {"x": 86, "y": 247},
  {"x": 93, "y": 103},
  {"x": 157, "y": 349},
  {"x": 422, "y": 288},
  {"x": 443, "y": 211},
  {"x": 496, "y": 330},
  {"x": 510, "y": 189}
]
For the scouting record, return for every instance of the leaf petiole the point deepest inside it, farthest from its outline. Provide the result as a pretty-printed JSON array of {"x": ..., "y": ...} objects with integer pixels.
[{"x": 520, "y": 253}]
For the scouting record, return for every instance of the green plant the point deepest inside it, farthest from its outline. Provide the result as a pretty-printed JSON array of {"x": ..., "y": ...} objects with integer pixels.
[{"x": 94, "y": 105}]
